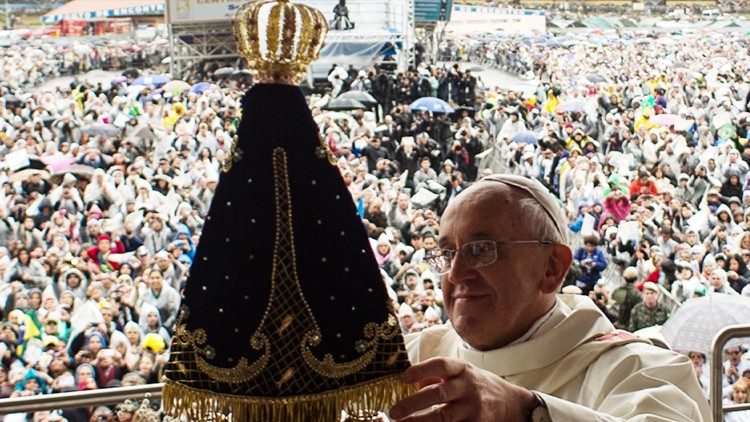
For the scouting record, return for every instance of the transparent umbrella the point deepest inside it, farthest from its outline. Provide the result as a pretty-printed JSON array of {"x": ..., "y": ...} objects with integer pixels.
[{"x": 693, "y": 326}]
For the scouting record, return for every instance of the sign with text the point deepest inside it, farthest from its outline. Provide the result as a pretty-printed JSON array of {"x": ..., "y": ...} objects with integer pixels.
[
  {"x": 113, "y": 12},
  {"x": 432, "y": 10}
]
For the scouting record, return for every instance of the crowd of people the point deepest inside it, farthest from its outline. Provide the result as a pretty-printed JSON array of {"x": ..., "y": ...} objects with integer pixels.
[{"x": 645, "y": 151}]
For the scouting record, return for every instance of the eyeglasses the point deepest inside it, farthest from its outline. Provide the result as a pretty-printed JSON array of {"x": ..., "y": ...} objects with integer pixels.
[
  {"x": 733, "y": 352},
  {"x": 477, "y": 254}
]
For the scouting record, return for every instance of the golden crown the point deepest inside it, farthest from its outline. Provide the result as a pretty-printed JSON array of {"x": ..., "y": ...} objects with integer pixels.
[{"x": 279, "y": 39}]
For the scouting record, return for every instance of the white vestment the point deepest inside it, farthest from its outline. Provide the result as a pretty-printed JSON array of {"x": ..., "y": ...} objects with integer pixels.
[{"x": 581, "y": 369}]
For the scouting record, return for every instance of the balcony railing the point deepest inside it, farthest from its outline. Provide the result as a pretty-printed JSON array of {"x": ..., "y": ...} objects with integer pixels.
[{"x": 106, "y": 396}]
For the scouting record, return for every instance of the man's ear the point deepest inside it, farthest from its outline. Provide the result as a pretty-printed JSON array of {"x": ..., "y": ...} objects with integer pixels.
[{"x": 558, "y": 264}]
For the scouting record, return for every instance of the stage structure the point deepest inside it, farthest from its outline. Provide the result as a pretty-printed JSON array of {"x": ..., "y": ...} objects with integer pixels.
[{"x": 384, "y": 31}]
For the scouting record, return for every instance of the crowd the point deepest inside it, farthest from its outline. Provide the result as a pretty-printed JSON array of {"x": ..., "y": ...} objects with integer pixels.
[{"x": 645, "y": 151}]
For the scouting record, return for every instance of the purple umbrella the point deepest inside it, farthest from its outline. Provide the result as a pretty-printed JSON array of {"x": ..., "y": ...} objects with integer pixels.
[
  {"x": 151, "y": 80},
  {"x": 201, "y": 87}
]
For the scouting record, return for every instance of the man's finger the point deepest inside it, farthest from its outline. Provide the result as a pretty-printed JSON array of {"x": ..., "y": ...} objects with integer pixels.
[
  {"x": 429, "y": 381},
  {"x": 444, "y": 392},
  {"x": 433, "y": 368}
]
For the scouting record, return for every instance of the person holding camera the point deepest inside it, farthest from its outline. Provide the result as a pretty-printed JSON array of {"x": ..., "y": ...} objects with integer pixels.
[{"x": 592, "y": 262}]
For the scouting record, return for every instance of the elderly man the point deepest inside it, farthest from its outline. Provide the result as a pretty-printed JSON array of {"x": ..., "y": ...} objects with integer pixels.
[{"x": 512, "y": 350}]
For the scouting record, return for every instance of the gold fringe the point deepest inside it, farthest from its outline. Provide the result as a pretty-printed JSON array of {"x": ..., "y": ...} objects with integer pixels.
[{"x": 201, "y": 405}]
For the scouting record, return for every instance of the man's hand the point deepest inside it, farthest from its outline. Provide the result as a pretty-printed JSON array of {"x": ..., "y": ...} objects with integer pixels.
[{"x": 461, "y": 392}]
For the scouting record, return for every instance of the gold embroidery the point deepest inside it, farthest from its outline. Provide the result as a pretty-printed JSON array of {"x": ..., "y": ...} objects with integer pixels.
[
  {"x": 196, "y": 340},
  {"x": 288, "y": 334},
  {"x": 328, "y": 367},
  {"x": 234, "y": 155}
]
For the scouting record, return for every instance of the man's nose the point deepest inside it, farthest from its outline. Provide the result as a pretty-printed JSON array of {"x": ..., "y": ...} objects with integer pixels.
[{"x": 460, "y": 270}]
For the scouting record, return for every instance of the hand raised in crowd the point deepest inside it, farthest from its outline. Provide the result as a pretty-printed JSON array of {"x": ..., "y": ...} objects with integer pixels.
[{"x": 452, "y": 390}]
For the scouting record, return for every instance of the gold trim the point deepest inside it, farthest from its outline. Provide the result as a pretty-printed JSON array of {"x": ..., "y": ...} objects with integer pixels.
[{"x": 201, "y": 405}]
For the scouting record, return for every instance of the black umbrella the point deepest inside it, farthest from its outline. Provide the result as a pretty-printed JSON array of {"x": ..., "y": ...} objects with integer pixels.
[
  {"x": 342, "y": 104},
  {"x": 100, "y": 129},
  {"x": 458, "y": 111},
  {"x": 131, "y": 73},
  {"x": 361, "y": 96}
]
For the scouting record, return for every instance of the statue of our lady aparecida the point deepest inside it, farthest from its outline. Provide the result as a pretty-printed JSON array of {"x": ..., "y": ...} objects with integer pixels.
[{"x": 285, "y": 316}]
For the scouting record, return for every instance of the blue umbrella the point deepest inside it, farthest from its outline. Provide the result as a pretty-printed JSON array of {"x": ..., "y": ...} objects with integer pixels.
[
  {"x": 432, "y": 104},
  {"x": 200, "y": 87},
  {"x": 526, "y": 137},
  {"x": 151, "y": 80}
]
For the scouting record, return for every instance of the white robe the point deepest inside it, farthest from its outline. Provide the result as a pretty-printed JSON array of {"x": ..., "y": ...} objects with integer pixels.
[{"x": 580, "y": 375}]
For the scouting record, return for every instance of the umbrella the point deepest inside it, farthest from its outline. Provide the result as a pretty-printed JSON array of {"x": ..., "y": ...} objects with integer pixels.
[
  {"x": 342, "y": 104},
  {"x": 82, "y": 49},
  {"x": 573, "y": 105},
  {"x": 201, "y": 87},
  {"x": 526, "y": 137},
  {"x": 131, "y": 73},
  {"x": 242, "y": 72},
  {"x": 721, "y": 119},
  {"x": 100, "y": 129},
  {"x": 176, "y": 86},
  {"x": 80, "y": 171},
  {"x": 57, "y": 162},
  {"x": 596, "y": 78},
  {"x": 335, "y": 115},
  {"x": 432, "y": 104},
  {"x": 35, "y": 162},
  {"x": 665, "y": 119},
  {"x": 151, "y": 80},
  {"x": 461, "y": 109},
  {"x": 224, "y": 71},
  {"x": 361, "y": 96},
  {"x": 671, "y": 120},
  {"x": 693, "y": 326},
  {"x": 25, "y": 174}
]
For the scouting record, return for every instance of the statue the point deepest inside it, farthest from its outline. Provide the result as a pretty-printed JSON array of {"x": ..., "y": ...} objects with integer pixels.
[
  {"x": 273, "y": 325},
  {"x": 341, "y": 21}
]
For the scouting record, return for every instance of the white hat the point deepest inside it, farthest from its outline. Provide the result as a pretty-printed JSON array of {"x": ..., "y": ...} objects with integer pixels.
[{"x": 541, "y": 195}]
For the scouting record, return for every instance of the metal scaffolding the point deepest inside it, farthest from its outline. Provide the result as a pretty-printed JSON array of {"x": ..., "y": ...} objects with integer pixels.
[{"x": 197, "y": 42}]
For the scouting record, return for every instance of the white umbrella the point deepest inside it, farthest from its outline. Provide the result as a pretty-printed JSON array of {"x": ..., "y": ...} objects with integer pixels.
[
  {"x": 693, "y": 326},
  {"x": 82, "y": 49}
]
